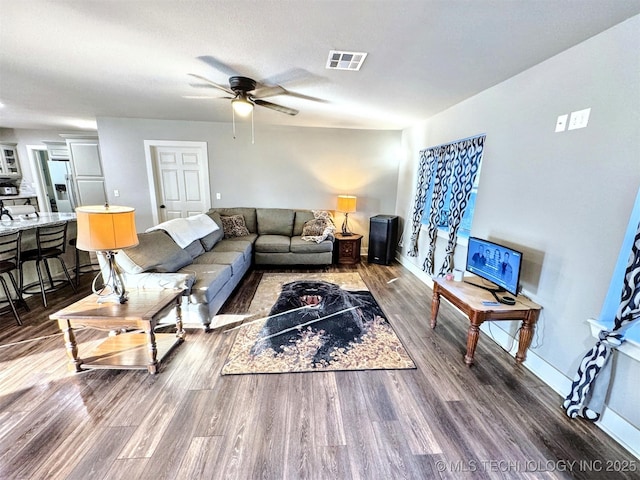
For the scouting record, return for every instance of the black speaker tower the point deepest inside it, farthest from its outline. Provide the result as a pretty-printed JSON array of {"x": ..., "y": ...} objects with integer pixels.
[{"x": 383, "y": 234}]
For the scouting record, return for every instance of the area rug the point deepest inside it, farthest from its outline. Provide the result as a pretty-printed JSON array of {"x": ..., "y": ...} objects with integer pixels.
[{"x": 312, "y": 322}]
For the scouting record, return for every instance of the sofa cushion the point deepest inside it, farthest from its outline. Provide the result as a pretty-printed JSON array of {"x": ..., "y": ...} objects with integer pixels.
[
  {"x": 159, "y": 281},
  {"x": 156, "y": 252},
  {"x": 194, "y": 249},
  {"x": 210, "y": 279},
  {"x": 235, "y": 259},
  {"x": 208, "y": 241},
  {"x": 302, "y": 246},
  {"x": 249, "y": 215},
  {"x": 275, "y": 221},
  {"x": 273, "y": 243},
  {"x": 239, "y": 244},
  {"x": 234, "y": 226},
  {"x": 302, "y": 217}
]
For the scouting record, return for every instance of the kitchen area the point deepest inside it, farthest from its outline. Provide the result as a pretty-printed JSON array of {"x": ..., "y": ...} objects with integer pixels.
[{"x": 69, "y": 174}]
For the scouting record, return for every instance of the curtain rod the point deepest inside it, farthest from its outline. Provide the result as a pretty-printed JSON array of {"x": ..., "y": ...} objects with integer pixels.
[{"x": 455, "y": 141}]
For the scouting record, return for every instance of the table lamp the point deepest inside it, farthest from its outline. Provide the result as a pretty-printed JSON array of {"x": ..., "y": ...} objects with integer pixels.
[
  {"x": 346, "y": 205},
  {"x": 106, "y": 228}
]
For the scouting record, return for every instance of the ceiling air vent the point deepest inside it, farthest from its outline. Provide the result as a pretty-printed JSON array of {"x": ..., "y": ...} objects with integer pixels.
[{"x": 339, "y": 60}]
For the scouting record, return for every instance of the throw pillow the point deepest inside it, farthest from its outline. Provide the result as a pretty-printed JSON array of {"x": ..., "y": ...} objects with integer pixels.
[
  {"x": 314, "y": 228},
  {"x": 208, "y": 241},
  {"x": 234, "y": 226}
]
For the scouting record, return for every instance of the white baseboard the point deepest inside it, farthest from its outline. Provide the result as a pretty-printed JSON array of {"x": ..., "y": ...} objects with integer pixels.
[{"x": 610, "y": 422}]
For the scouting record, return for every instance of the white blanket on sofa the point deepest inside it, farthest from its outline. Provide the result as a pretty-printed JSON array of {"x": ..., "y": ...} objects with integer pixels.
[{"x": 186, "y": 230}]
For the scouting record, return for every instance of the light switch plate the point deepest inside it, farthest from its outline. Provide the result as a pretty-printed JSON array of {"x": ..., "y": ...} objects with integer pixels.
[{"x": 561, "y": 123}]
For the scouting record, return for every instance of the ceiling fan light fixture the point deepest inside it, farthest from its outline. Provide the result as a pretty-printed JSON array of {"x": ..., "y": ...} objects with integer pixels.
[{"x": 242, "y": 105}]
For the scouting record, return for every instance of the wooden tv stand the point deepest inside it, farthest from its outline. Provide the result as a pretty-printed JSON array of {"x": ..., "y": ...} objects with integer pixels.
[{"x": 470, "y": 298}]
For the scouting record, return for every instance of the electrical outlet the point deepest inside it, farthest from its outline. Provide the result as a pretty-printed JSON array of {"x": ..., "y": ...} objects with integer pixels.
[
  {"x": 218, "y": 196},
  {"x": 116, "y": 193},
  {"x": 579, "y": 119},
  {"x": 561, "y": 123}
]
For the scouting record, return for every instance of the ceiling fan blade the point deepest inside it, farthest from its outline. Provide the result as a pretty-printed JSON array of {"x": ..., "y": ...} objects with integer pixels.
[
  {"x": 264, "y": 91},
  {"x": 197, "y": 97},
  {"x": 218, "y": 65},
  {"x": 303, "y": 96},
  {"x": 274, "y": 106},
  {"x": 213, "y": 84}
]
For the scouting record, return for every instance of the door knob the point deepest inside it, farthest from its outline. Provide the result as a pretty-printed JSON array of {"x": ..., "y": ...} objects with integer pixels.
[{"x": 162, "y": 206}]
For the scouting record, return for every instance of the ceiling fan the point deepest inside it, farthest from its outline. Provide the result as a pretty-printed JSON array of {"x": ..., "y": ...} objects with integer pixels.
[{"x": 245, "y": 93}]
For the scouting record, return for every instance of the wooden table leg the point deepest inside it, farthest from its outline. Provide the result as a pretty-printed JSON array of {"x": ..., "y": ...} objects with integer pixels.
[
  {"x": 435, "y": 306},
  {"x": 180, "y": 333},
  {"x": 526, "y": 335},
  {"x": 71, "y": 345},
  {"x": 153, "y": 351},
  {"x": 472, "y": 338}
]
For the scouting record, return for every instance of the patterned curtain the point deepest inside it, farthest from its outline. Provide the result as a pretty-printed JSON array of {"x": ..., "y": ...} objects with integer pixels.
[
  {"x": 466, "y": 162},
  {"x": 591, "y": 383},
  {"x": 425, "y": 172},
  {"x": 454, "y": 164},
  {"x": 445, "y": 154}
]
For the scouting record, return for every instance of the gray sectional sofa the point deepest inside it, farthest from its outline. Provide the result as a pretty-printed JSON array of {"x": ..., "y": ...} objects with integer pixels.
[
  {"x": 277, "y": 236},
  {"x": 211, "y": 267}
]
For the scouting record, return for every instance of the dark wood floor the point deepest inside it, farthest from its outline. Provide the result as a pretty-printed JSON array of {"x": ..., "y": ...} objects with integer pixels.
[{"x": 442, "y": 420}]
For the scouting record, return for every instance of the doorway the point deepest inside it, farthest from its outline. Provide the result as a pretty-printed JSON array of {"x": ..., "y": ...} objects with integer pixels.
[
  {"x": 178, "y": 173},
  {"x": 38, "y": 158},
  {"x": 53, "y": 183}
]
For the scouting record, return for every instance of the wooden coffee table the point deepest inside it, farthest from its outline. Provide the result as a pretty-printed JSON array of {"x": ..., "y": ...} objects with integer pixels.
[{"x": 127, "y": 350}]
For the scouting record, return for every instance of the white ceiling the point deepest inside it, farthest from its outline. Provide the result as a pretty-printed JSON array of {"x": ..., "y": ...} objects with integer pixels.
[{"x": 64, "y": 63}]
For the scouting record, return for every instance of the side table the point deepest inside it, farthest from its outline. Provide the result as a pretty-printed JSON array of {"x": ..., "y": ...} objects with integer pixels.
[
  {"x": 348, "y": 248},
  {"x": 129, "y": 350}
]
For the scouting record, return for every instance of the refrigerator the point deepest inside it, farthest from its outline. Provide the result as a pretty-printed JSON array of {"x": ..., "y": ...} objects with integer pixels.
[{"x": 65, "y": 199}]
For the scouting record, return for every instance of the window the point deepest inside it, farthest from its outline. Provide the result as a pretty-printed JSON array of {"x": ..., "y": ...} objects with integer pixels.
[{"x": 464, "y": 231}]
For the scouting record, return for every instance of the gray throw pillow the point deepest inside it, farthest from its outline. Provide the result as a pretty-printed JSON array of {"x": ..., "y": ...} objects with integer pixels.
[
  {"x": 194, "y": 249},
  {"x": 208, "y": 241}
]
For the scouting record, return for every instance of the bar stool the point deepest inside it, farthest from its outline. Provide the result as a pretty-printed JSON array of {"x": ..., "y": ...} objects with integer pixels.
[
  {"x": 51, "y": 241},
  {"x": 9, "y": 261}
]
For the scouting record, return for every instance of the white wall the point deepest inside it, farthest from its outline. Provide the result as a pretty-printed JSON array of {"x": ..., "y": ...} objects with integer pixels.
[
  {"x": 287, "y": 167},
  {"x": 563, "y": 198}
]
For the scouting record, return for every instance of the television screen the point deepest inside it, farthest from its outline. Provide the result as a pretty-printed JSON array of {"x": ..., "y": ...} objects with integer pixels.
[{"x": 495, "y": 263}]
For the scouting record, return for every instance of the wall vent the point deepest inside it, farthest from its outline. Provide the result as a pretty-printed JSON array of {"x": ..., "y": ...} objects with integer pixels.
[{"x": 339, "y": 60}]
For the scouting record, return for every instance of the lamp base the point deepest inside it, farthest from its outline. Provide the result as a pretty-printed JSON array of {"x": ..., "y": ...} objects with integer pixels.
[
  {"x": 111, "y": 298},
  {"x": 113, "y": 290},
  {"x": 345, "y": 226}
]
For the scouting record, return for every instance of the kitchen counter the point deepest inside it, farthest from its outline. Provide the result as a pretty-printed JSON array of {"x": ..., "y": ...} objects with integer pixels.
[
  {"x": 17, "y": 197},
  {"x": 21, "y": 223}
]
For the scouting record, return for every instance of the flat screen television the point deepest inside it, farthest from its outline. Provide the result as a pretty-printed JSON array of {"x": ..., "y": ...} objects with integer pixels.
[{"x": 496, "y": 263}]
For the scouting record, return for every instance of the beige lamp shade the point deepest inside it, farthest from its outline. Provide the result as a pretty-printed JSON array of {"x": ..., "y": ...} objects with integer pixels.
[
  {"x": 346, "y": 203},
  {"x": 104, "y": 228}
]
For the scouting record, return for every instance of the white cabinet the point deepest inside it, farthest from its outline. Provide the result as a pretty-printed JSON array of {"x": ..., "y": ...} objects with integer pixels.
[{"x": 9, "y": 165}]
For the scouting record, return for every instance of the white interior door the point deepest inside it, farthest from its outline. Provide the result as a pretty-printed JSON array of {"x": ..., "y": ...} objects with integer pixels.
[{"x": 180, "y": 173}]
